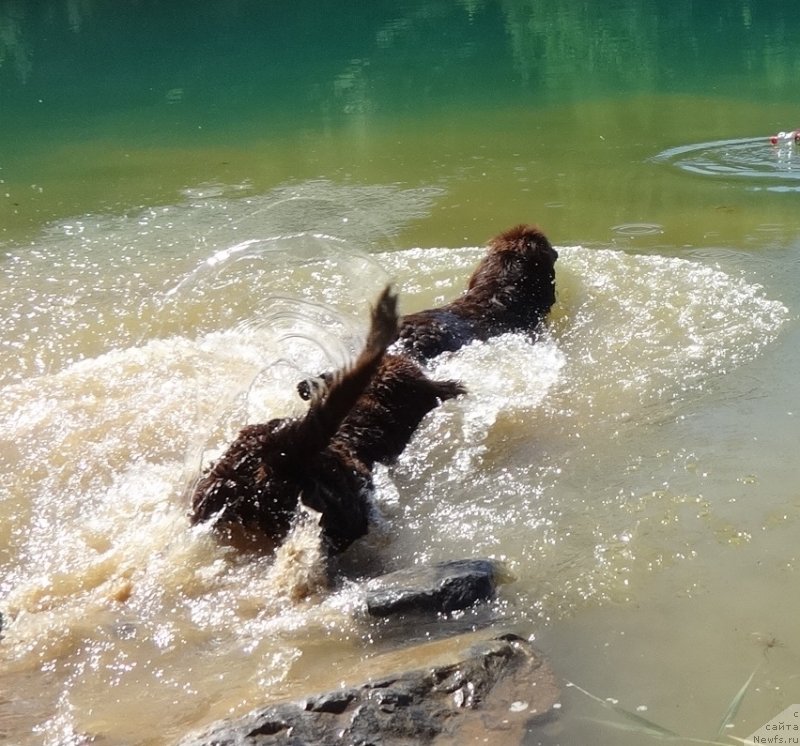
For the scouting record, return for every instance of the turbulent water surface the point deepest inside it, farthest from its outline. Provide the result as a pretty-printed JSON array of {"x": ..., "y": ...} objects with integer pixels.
[
  {"x": 556, "y": 462},
  {"x": 194, "y": 216}
]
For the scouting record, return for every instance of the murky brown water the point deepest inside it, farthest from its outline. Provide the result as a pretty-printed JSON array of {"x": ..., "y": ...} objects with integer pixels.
[
  {"x": 179, "y": 244},
  {"x": 580, "y": 461}
]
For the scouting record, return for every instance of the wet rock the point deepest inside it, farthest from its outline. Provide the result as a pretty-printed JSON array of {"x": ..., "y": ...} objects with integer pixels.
[
  {"x": 442, "y": 587},
  {"x": 491, "y": 691}
]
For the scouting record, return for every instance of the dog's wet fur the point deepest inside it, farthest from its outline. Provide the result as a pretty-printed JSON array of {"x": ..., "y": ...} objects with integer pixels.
[
  {"x": 399, "y": 396},
  {"x": 366, "y": 413},
  {"x": 360, "y": 414},
  {"x": 511, "y": 290}
]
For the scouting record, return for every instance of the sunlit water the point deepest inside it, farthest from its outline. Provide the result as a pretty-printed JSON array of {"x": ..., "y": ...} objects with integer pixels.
[
  {"x": 185, "y": 233},
  {"x": 556, "y": 462},
  {"x": 775, "y": 167}
]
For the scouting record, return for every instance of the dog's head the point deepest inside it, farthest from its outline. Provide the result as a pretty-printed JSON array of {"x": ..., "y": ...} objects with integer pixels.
[
  {"x": 518, "y": 271},
  {"x": 526, "y": 240}
]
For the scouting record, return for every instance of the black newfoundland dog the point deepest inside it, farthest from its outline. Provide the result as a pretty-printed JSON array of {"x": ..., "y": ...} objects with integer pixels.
[
  {"x": 511, "y": 290},
  {"x": 366, "y": 413},
  {"x": 360, "y": 414}
]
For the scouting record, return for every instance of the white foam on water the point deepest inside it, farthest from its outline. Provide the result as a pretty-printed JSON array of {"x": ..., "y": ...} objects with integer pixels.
[
  {"x": 97, "y": 282},
  {"x": 533, "y": 464},
  {"x": 106, "y": 586},
  {"x": 645, "y": 329}
]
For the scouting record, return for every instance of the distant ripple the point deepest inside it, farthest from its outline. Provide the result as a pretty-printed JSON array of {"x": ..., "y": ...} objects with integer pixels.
[{"x": 767, "y": 166}]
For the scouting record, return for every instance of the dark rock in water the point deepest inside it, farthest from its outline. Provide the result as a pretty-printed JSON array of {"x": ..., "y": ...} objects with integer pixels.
[
  {"x": 443, "y": 587},
  {"x": 490, "y": 691}
]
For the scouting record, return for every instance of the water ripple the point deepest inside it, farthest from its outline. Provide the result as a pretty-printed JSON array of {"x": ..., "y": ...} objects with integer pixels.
[
  {"x": 638, "y": 229},
  {"x": 764, "y": 165}
]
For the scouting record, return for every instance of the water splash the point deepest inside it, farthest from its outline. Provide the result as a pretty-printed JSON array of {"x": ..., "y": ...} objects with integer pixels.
[
  {"x": 666, "y": 327},
  {"x": 544, "y": 463},
  {"x": 99, "y": 282},
  {"x": 537, "y": 456}
]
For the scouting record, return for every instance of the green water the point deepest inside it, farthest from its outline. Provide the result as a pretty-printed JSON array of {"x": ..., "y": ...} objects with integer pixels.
[
  {"x": 523, "y": 110},
  {"x": 636, "y": 468}
]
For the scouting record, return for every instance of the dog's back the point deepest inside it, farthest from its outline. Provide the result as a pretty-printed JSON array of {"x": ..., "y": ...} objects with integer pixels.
[
  {"x": 512, "y": 289},
  {"x": 381, "y": 424}
]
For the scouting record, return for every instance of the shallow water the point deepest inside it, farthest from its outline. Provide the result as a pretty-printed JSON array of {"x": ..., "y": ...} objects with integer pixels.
[{"x": 176, "y": 249}]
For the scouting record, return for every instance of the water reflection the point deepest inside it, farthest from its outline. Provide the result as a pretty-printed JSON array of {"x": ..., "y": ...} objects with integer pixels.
[
  {"x": 77, "y": 12},
  {"x": 16, "y": 25},
  {"x": 12, "y": 45},
  {"x": 417, "y": 50}
]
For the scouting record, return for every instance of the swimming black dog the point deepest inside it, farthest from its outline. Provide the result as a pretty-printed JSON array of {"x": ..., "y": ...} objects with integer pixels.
[
  {"x": 325, "y": 458},
  {"x": 384, "y": 419},
  {"x": 511, "y": 290}
]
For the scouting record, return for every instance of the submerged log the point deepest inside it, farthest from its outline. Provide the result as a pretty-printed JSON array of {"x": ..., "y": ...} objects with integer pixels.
[{"x": 487, "y": 691}]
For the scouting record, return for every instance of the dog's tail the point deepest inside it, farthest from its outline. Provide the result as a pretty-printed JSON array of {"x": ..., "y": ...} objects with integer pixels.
[{"x": 332, "y": 402}]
